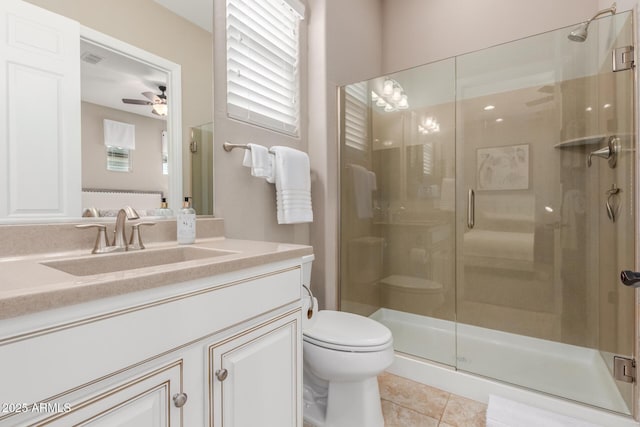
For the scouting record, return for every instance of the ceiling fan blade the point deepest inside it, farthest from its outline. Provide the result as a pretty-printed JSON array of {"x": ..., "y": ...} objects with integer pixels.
[
  {"x": 136, "y": 101},
  {"x": 152, "y": 97}
]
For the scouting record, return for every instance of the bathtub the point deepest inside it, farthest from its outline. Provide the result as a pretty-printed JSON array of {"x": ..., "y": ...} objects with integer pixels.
[{"x": 492, "y": 362}]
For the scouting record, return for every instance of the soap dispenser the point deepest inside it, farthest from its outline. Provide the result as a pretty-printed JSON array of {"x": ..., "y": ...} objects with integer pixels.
[
  {"x": 164, "y": 210},
  {"x": 186, "y": 223}
]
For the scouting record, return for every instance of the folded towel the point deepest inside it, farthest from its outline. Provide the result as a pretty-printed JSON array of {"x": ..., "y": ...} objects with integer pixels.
[
  {"x": 364, "y": 183},
  {"x": 258, "y": 158},
  {"x": 503, "y": 412},
  {"x": 293, "y": 185}
]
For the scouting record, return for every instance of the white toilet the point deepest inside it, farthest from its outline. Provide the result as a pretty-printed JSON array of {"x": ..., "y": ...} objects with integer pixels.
[{"x": 343, "y": 354}]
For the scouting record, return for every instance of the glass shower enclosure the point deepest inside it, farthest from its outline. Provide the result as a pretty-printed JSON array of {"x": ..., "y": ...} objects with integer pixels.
[{"x": 488, "y": 205}]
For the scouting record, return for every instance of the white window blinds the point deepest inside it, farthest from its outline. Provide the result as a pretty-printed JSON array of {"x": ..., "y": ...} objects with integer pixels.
[
  {"x": 263, "y": 85},
  {"x": 356, "y": 123}
]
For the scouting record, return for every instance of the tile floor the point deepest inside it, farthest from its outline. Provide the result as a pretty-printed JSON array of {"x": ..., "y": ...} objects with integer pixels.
[{"x": 406, "y": 403}]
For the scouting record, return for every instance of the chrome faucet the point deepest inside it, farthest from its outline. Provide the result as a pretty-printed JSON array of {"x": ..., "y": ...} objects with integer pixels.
[{"x": 119, "y": 239}]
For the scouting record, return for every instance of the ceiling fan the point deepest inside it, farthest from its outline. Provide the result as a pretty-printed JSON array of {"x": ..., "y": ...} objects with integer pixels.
[{"x": 158, "y": 102}]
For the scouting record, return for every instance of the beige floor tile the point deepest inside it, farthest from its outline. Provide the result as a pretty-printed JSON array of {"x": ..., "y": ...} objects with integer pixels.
[
  {"x": 398, "y": 416},
  {"x": 413, "y": 395},
  {"x": 445, "y": 425},
  {"x": 462, "y": 412}
]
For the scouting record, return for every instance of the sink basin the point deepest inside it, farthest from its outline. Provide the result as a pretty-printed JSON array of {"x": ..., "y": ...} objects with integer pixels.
[{"x": 121, "y": 261}]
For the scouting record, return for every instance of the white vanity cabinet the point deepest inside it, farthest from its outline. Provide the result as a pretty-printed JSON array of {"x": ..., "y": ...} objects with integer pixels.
[
  {"x": 221, "y": 351},
  {"x": 254, "y": 376}
]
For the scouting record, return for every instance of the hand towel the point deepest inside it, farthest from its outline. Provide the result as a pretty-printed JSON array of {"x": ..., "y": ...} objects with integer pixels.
[
  {"x": 293, "y": 185},
  {"x": 363, "y": 184},
  {"x": 258, "y": 158},
  {"x": 118, "y": 134}
]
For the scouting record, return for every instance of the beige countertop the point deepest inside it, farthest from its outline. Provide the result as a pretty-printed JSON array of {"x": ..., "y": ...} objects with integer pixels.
[{"x": 29, "y": 286}]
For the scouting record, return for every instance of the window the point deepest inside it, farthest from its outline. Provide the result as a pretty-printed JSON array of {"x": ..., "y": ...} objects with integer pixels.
[
  {"x": 118, "y": 159},
  {"x": 263, "y": 63},
  {"x": 356, "y": 113}
]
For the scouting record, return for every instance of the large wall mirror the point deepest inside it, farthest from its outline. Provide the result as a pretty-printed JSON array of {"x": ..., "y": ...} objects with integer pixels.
[{"x": 157, "y": 56}]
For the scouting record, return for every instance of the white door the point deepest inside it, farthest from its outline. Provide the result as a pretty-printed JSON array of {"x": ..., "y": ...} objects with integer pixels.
[
  {"x": 39, "y": 113},
  {"x": 255, "y": 377}
]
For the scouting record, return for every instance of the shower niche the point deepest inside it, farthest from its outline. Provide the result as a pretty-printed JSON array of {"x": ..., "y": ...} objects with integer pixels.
[{"x": 499, "y": 252}]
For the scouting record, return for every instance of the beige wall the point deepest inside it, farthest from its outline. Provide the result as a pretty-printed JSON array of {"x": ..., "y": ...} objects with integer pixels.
[
  {"x": 248, "y": 204},
  {"x": 146, "y": 158},
  {"x": 420, "y": 31},
  {"x": 149, "y": 26},
  {"x": 344, "y": 47}
]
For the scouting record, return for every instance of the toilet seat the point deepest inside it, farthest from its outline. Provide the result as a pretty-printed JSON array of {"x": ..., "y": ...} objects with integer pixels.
[{"x": 338, "y": 330}]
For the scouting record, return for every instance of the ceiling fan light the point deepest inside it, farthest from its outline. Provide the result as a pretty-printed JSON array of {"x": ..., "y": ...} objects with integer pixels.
[{"x": 160, "y": 109}]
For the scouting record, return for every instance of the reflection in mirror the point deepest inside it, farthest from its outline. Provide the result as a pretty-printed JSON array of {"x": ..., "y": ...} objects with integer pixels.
[
  {"x": 128, "y": 113},
  {"x": 175, "y": 24},
  {"x": 201, "y": 148}
]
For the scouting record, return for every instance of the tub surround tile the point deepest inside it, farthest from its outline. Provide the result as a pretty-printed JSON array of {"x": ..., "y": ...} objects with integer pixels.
[
  {"x": 399, "y": 416},
  {"x": 463, "y": 412},
  {"x": 412, "y": 395}
]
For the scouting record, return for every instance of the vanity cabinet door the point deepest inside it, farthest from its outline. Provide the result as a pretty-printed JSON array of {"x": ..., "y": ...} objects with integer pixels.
[
  {"x": 145, "y": 400},
  {"x": 255, "y": 377}
]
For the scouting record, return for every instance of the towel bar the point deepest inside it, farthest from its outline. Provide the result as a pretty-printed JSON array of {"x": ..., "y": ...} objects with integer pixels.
[{"x": 229, "y": 146}]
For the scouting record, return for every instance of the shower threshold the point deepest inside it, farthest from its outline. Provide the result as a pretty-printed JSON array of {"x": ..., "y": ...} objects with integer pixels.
[{"x": 576, "y": 373}]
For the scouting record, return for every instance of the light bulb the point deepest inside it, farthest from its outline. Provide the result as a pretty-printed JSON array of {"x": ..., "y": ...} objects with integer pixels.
[
  {"x": 387, "y": 87},
  {"x": 381, "y": 102},
  {"x": 397, "y": 94},
  {"x": 404, "y": 102},
  {"x": 389, "y": 108},
  {"x": 374, "y": 96}
]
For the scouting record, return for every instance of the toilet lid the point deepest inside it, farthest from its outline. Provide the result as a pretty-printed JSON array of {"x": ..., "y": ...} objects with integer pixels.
[
  {"x": 412, "y": 283},
  {"x": 342, "y": 330}
]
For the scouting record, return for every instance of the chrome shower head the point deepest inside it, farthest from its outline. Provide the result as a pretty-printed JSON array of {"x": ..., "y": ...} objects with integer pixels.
[{"x": 579, "y": 34}]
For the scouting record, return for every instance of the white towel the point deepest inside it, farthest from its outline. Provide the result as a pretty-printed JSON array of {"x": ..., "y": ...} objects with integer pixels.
[
  {"x": 364, "y": 183},
  {"x": 293, "y": 185},
  {"x": 118, "y": 134},
  {"x": 503, "y": 412},
  {"x": 258, "y": 158}
]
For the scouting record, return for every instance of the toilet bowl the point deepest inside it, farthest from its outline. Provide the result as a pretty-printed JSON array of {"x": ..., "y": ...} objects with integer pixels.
[
  {"x": 343, "y": 353},
  {"x": 412, "y": 294}
]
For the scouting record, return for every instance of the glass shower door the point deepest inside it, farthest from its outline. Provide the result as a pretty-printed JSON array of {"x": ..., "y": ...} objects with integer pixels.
[
  {"x": 541, "y": 234},
  {"x": 397, "y": 207}
]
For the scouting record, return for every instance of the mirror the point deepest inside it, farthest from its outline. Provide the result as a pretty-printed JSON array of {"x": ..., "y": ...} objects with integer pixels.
[{"x": 147, "y": 41}]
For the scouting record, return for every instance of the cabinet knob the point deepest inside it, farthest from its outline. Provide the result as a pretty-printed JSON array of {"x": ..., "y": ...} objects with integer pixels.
[
  {"x": 179, "y": 399},
  {"x": 221, "y": 374}
]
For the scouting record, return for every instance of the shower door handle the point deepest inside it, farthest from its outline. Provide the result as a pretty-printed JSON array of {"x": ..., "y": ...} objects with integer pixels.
[
  {"x": 630, "y": 278},
  {"x": 471, "y": 209}
]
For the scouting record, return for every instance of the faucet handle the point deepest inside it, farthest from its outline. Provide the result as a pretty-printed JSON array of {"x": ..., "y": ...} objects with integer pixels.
[
  {"x": 102, "y": 244},
  {"x": 135, "y": 242}
]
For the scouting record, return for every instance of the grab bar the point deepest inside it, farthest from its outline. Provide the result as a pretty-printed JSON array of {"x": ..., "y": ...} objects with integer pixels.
[{"x": 471, "y": 209}]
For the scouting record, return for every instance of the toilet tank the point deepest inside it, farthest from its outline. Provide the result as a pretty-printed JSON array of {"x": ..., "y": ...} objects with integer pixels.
[
  {"x": 307, "y": 261},
  {"x": 365, "y": 259}
]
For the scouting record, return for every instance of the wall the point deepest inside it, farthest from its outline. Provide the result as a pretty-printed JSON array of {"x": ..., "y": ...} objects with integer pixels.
[
  {"x": 248, "y": 204},
  {"x": 344, "y": 46},
  {"x": 149, "y": 26},
  {"x": 420, "y": 31},
  {"x": 146, "y": 158}
]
